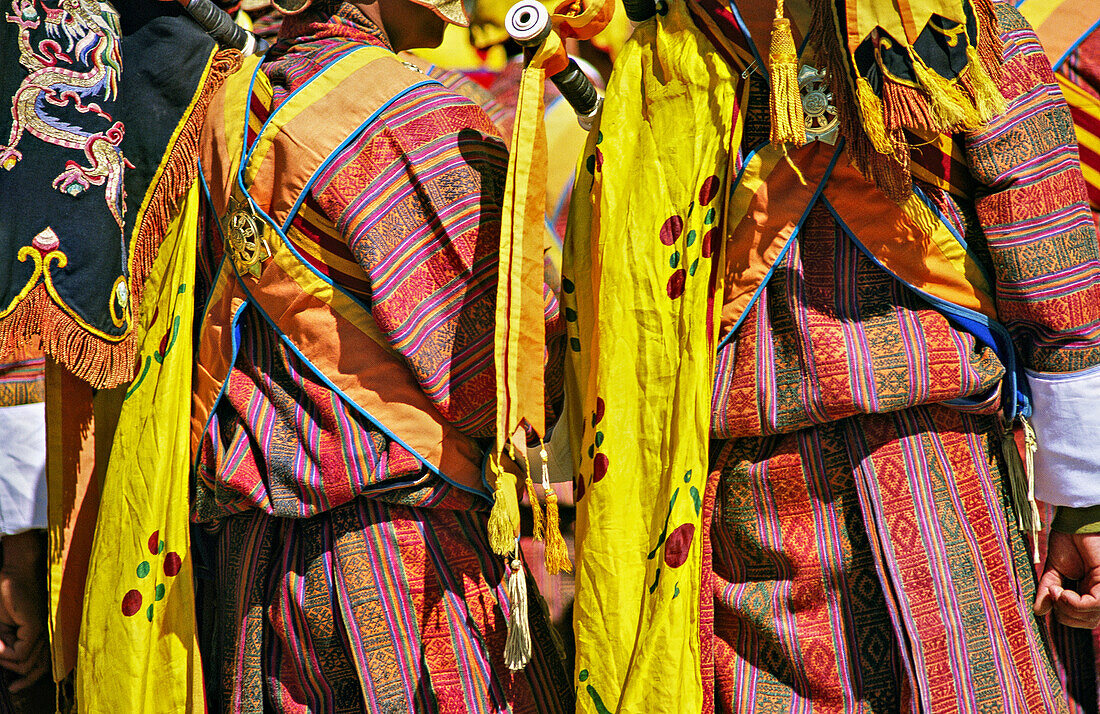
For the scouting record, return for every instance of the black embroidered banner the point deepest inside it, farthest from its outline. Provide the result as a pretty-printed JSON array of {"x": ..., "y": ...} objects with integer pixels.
[{"x": 95, "y": 152}]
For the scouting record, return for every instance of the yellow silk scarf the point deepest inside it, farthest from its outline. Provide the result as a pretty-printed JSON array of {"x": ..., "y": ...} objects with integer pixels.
[{"x": 639, "y": 280}]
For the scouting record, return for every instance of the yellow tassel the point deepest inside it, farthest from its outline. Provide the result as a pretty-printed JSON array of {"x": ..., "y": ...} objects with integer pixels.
[
  {"x": 557, "y": 553},
  {"x": 788, "y": 120},
  {"x": 990, "y": 101},
  {"x": 504, "y": 518},
  {"x": 952, "y": 109},
  {"x": 536, "y": 508},
  {"x": 874, "y": 123}
]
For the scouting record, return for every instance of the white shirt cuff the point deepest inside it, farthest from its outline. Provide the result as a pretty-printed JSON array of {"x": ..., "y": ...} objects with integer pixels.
[
  {"x": 1066, "y": 419},
  {"x": 22, "y": 468}
]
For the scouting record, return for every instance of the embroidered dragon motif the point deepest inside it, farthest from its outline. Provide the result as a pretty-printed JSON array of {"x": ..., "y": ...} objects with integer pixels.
[{"x": 77, "y": 76}]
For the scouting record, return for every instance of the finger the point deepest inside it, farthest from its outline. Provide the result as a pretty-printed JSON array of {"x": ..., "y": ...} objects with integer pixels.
[
  {"x": 1078, "y": 622},
  {"x": 1050, "y": 586}
]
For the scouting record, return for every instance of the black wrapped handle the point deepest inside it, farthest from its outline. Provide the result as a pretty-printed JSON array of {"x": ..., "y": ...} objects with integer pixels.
[
  {"x": 577, "y": 89},
  {"x": 219, "y": 25},
  {"x": 640, "y": 10}
]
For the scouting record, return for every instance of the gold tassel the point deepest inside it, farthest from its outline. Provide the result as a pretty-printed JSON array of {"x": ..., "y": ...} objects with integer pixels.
[
  {"x": 951, "y": 108},
  {"x": 788, "y": 120},
  {"x": 1022, "y": 485},
  {"x": 987, "y": 96},
  {"x": 517, "y": 646},
  {"x": 874, "y": 123},
  {"x": 557, "y": 553},
  {"x": 504, "y": 518},
  {"x": 536, "y": 508}
]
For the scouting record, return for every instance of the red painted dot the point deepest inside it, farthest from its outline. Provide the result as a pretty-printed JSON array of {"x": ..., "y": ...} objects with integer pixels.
[
  {"x": 599, "y": 467},
  {"x": 710, "y": 240},
  {"x": 131, "y": 603},
  {"x": 154, "y": 542},
  {"x": 675, "y": 285},
  {"x": 172, "y": 564},
  {"x": 578, "y": 488},
  {"x": 671, "y": 230},
  {"x": 678, "y": 545},
  {"x": 709, "y": 190},
  {"x": 599, "y": 411}
]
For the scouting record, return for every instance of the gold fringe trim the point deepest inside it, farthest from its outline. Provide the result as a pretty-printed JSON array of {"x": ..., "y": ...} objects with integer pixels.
[
  {"x": 951, "y": 109},
  {"x": 100, "y": 362},
  {"x": 987, "y": 97}
]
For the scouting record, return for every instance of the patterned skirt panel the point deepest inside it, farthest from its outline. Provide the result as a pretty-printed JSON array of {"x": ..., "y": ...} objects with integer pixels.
[
  {"x": 371, "y": 607},
  {"x": 867, "y": 565}
]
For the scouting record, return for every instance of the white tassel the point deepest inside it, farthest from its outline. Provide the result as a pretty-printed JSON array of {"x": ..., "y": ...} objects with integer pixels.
[{"x": 517, "y": 648}]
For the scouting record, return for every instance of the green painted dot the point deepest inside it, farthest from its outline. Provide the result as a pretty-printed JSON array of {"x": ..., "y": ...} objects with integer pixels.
[
  {"x": 160, "y": 547},
  {"x": 599, "y": 137},
  {"x": 674, "y": 259},
  {"x": 694, "y": 266},
  {"x": 691, "y": 236},
  {"x": 583, "y": 676},
  {"x": 567, "y": 285},
  {"x": 709, "y": 217},
  {"x": 592, "y": 451},
  {"x": 691, "y": 207},
  {"x": 599, "y": 438},
  {"x": 687, "y": 476},
  {"x": 149, "y": 613},
  {"x": 570, "y": 314},
  {"x": 590, "y": 163},
  {"x": 575, "y": 343},
  {"x": 697, "y": 499},
  {"x": 143, "y": 569},
  {"x": 676, "y": 592},
  {"x": 160, "y": 591}
]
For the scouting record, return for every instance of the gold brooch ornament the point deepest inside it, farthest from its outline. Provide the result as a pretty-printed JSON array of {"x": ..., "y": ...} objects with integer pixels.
[
  {"x": 822, "y": 121},
  {"x": 244, "y": 232}
]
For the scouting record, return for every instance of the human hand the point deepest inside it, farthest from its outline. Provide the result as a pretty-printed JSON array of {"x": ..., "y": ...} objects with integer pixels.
[
  {"x": 1071, "y": 557},
  {"x": 23, "y": 643}
]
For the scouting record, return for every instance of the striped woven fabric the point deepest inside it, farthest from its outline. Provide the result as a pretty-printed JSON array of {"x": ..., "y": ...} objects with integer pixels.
[
  {"x": 348, "y": 576},
  {"x": 371, "y": 607},
  {"x": 862, "y": 557},
  {"x": 867, "y": 565},
  {"x": 23, "y": 381}
]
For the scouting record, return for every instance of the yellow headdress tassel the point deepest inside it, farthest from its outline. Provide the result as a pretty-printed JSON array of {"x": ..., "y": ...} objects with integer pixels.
[
  {"x": 517, "y": 646},
  {"x": 987, "y": 97},
  {"x": 874, "y": 123},
  {"x": 1021, "y": 482},
  {"x": 952, "y": 110},
  {"x": 504, "y": 518},
  {"x": 788, "y": 120},
  {"x": 557, "y": 553}
]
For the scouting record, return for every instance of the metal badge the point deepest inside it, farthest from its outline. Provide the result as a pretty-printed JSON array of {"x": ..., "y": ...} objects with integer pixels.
[
  {"x": 822, "y": 120},
  {"x": 244, "y": 233}
]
